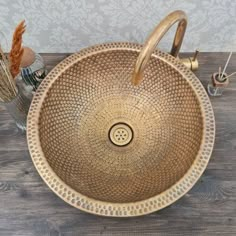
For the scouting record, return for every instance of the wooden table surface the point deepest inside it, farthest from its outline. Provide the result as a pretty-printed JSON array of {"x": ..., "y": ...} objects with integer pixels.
[{"x": 29, "y": 207}]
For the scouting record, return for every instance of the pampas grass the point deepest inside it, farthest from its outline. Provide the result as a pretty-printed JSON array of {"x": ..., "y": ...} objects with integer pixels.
[
  {"x": 17, "y": 50},
  {"x": 9, "y": 69}
]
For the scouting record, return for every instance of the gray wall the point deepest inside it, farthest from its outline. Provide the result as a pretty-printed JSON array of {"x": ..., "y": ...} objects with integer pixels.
[{"x": 67, "y": 26}]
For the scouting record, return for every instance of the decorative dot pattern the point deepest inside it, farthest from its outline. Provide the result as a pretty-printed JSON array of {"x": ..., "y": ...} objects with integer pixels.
[{"x": 85, "y": 95}]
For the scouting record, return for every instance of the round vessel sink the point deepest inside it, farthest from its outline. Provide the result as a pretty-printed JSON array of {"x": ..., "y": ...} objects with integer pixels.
[{"x": 111, "y": 148}]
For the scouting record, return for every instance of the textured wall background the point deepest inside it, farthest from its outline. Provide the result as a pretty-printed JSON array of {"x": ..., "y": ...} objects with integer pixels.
[{"x": 67, "y": 26}]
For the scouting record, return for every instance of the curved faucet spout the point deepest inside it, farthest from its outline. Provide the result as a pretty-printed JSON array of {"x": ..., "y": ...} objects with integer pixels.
[{"x": 154, "y": 39}]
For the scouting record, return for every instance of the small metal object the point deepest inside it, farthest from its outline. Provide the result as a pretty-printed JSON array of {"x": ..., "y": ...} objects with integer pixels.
[
  {"x": 191, "y": 62},
  {"x": 79, "y": 111},
  {"x": 121, "y": 134}
]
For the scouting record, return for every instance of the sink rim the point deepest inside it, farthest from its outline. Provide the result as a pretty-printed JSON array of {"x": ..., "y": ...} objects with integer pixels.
[{"x": 121, "y": 209}]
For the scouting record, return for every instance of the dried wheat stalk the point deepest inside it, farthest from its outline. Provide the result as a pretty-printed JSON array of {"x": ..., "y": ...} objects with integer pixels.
[{"x": 8, "y": 89}]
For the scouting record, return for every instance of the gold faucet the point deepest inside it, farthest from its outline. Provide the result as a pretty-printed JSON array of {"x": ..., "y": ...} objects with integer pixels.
[
  {"x": 191, "y": 62},
  {"x": 154, "y": 39}
]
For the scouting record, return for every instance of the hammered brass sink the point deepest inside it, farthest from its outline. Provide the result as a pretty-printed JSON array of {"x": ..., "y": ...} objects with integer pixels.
[{"x": 122, "y": 129}]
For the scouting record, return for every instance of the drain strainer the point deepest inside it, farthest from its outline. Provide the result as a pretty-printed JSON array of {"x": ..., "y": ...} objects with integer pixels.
[{"x": 120, "y": 134}]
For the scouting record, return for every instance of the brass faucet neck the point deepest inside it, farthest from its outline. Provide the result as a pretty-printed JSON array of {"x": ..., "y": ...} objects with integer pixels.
[{"x": 154, "y": 39}]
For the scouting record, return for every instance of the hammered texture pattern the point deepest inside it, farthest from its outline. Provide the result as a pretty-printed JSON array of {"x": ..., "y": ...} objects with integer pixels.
[{"x": 84, "y": 96}]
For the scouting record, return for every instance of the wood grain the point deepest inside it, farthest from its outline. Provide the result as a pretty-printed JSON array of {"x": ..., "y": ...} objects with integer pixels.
[{"x": 29, "y": 208}]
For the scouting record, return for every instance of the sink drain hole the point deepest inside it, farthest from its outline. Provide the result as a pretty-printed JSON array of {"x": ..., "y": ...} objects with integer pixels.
[{"x": 120, "y": 134}]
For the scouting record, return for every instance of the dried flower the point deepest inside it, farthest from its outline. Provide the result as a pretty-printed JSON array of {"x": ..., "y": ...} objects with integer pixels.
[{"x": 17, "y": 50}]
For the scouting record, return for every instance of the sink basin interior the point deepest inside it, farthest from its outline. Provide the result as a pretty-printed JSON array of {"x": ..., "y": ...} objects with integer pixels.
[{"x": 160, "y": 127}]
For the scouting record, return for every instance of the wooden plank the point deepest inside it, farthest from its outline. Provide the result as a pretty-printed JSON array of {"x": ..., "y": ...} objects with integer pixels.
[{"x": 29, "y": 208}]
